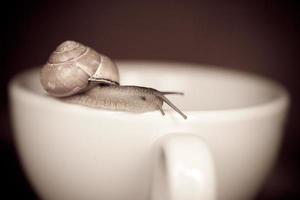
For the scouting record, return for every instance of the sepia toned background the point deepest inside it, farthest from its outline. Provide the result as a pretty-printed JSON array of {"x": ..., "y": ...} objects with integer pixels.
[{"x": 256, "y": 36}]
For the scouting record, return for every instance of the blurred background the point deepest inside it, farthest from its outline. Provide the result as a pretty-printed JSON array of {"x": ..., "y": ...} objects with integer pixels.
[{"x": 256, "y": 36}]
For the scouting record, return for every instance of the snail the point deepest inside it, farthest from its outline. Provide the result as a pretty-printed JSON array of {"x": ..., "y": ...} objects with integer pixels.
[{"x": 78, "y": 74}]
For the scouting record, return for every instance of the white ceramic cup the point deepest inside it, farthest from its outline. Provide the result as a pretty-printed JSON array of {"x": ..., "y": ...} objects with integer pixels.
[{"x": 224, "y": 150}]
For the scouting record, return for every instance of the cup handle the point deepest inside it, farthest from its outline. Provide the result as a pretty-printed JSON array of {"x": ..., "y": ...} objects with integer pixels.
[{"x": 183, "y": 169}]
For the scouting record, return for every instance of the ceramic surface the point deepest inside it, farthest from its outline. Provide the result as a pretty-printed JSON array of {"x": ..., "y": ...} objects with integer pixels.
[{"x": 224, "y": 150}]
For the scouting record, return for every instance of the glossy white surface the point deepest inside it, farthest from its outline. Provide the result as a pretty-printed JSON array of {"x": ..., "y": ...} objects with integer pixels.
[
  {"x": 183, "y": 169},
  {"x": 75, "y": 152}
]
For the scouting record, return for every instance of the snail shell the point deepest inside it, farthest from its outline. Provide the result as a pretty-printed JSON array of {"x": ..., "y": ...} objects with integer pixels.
[{"x": 74, "y": 68}]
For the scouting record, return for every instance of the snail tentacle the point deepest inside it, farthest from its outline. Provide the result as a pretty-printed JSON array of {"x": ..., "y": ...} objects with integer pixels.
[
  {"x": 167, "y": 101},
  {"x": 161, "y": 110},
  {"x": 171, "y": 92}
]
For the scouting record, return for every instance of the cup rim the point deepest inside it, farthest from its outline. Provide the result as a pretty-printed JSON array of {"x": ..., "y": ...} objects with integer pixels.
[{"x": 278, "y": 104}]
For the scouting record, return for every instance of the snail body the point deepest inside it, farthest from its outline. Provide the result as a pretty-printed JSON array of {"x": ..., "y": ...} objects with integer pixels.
[
  {"x": 78, "y": 74},
  {"x": 124, "y": 98}
]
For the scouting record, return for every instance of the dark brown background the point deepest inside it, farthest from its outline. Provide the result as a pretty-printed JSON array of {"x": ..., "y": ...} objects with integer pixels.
[{"x": 257, "y": 36}]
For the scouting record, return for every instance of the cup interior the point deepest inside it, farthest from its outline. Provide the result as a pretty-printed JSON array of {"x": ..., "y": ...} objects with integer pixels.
[{"x": 204, "y": 87}]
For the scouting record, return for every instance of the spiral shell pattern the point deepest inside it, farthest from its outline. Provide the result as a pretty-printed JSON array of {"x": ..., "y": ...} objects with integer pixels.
[{"x": 72, "y": 65}]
